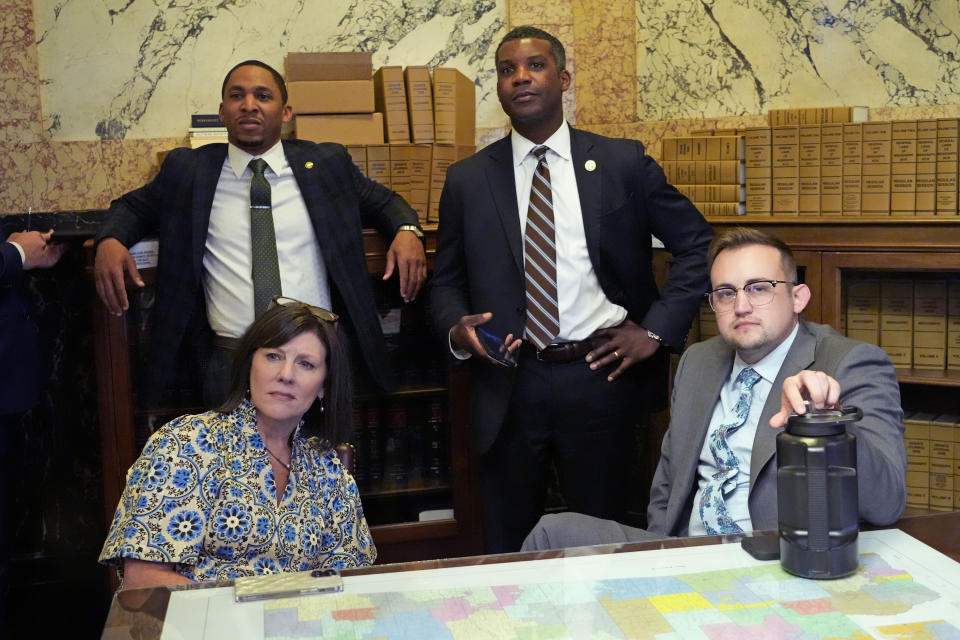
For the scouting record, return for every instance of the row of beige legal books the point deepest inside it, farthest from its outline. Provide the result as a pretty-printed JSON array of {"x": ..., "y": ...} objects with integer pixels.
[
  {"x": 709, "y": 170},
  {"x": 415, "y": 171},
  {"x": 933, "y": 460},
  {"x": 915, "y": 320},
  {"x": 710, "y": 165},
  {"x": 338, "y": 98},
  {"x": 902, "y": 168}
]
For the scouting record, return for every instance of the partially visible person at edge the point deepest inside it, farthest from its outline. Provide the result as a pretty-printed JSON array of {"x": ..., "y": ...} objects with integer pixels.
[
  {"x": 198, "y": 206},
  {"x": 242, "y": 490},
  {"x": 22, "y": 375}
]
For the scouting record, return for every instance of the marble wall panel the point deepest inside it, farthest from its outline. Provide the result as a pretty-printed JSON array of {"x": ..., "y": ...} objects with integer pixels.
[
  {"x": 538, "y": 13},
  {"x": 736, "y": 57},
  {"x": 19, "y": 84},
  {"x": 156, "y": 63}
]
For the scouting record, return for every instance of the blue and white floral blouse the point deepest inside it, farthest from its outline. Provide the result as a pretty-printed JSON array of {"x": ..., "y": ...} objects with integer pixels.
[{"x": 202, "y": 496}]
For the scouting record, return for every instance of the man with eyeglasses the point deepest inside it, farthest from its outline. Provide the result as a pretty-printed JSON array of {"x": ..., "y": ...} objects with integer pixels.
[{"x": 758, "y": 302}]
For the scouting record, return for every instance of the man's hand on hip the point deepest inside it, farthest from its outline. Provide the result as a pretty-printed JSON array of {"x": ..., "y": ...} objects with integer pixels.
[
  {"x": 406, "y": 255},
  {"x": 112, "y": 260},
  {"x": 627, "y": 343}
]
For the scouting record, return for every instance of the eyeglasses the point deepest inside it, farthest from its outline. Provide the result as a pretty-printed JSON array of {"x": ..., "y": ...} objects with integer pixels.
[
  {"x": 758, "y": 294},
  {"x": 318, "y": 312}
]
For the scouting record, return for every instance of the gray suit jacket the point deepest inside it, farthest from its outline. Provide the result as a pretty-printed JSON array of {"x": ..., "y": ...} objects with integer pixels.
[{"x": 867, "y": 380}]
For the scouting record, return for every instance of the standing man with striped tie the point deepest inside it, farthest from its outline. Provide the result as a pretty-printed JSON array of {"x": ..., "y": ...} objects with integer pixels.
[{"x": 545, "y": 240}]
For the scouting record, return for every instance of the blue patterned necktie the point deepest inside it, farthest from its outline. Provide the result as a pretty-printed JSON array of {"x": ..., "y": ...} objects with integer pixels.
[
  {"x": 713, "y": 506},
  {"x": 265, "y": 264}
]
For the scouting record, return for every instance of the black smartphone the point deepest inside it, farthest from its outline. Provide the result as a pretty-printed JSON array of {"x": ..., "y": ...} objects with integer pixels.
[{"x": 496, "y": 348}]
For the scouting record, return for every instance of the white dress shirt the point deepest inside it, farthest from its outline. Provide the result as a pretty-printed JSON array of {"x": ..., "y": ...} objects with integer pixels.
[
  {"x": 741, "y": 441},
  {"x": 227, "y": 279},
  {"x": 582, "y": 304}
]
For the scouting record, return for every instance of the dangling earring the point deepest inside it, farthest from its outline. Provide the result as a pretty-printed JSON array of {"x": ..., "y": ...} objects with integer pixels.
[{"x": 322, "y": 405}]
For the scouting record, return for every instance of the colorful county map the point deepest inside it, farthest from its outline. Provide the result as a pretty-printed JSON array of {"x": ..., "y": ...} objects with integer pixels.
[{"x": 743, "y": 603}]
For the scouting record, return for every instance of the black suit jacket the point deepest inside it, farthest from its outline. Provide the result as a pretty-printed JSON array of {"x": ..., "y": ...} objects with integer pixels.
[
  {"x": 176, "y": 205},
  {"x": 625, "y": 199},
  {"x": 21, "y": 371}
]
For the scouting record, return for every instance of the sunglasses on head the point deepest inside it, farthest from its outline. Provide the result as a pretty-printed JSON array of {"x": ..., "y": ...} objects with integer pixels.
[{"x": 318, "y": 312}]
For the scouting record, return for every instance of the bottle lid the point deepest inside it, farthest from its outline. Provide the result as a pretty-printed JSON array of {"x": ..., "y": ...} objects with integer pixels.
[{"x": 822, "y": 422}]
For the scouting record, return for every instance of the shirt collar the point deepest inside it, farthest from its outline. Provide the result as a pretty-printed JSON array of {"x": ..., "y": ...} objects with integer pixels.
[
  {"x": 769, "y": 366},
  {"x": 275, "y": 158},
  {"x": 559, "y": 143}
]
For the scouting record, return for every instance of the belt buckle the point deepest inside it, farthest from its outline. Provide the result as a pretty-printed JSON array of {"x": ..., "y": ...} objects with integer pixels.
[{"x": 539, "y": 352}]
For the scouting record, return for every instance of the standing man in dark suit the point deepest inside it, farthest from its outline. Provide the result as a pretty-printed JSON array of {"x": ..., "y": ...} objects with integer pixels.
[
  {"x": 758, "y": 302},
  {"x": 198, "y": 207},
  {"x": 580, "y": 294},
  {"x": 21, "y": 368}
]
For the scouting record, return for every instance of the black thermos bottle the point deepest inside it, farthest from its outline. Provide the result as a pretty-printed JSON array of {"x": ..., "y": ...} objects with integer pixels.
[{"x": 817, "y": 494}]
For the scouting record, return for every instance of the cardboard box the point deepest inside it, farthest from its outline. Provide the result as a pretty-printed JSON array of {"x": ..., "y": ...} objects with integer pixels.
[
  {"x": 454, "y": 107},
  {"x": 331, "y": 96},
  {"x": 378, "y": 164},
  {"x": 390, "y": 98},
  {"x": 347, "y": 129},
  {"x": 358, "y": 153},
  {"x": 419, "y": 103},
  {"x": 347, "y": 65}
]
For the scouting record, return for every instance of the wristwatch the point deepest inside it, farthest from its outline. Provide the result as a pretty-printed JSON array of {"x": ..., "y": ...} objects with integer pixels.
[
  {"x": 413, "y": 228},
  {"x": 651, "y": 334}
]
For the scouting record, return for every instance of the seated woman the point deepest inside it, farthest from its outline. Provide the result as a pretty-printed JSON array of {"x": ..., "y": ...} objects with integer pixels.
[{"x": 240, "y": 491}]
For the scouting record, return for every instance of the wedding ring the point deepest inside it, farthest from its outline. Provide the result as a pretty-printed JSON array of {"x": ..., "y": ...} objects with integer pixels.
[{"x": 617, "y": 355}]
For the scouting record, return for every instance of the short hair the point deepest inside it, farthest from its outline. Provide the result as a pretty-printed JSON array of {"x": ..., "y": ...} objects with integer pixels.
[
  {"x": 556, "y": 47},
  {"x": 745, "y": 236},
  {"x": 263, "y": 65},
  {"x": 277, "y": 326}
]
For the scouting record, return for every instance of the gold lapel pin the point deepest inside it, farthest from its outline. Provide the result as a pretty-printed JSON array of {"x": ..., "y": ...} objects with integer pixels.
[
  {"x": 589, "y": 165},
  {"x": 308, "y": 165}
]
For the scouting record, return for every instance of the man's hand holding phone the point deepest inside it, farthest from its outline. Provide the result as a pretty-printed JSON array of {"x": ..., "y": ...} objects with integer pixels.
[{"x": 467, "y": 335}]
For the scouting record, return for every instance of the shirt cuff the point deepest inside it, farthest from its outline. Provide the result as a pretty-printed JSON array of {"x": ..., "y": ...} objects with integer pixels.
[{"x": 459, "y": 354}]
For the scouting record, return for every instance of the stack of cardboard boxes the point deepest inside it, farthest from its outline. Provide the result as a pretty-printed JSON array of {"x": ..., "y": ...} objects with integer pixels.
[
  {"x": 332, "y": 97},
  {"x": 402, "y": 127}
]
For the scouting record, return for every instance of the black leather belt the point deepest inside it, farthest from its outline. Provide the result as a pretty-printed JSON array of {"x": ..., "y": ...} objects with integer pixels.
[
  {"x": 560, "y": 353},
  {"x": 223, "y": 342}
]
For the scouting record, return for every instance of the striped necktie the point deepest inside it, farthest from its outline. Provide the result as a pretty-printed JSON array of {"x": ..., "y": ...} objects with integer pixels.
[
  {"x": 713, "y": 506},
  {"x": 540, "y": 258},
  {"x": 265, "y": 265}
]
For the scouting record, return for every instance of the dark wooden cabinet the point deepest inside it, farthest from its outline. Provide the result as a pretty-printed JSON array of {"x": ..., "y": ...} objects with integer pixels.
[{"x": 391, "y": 509}]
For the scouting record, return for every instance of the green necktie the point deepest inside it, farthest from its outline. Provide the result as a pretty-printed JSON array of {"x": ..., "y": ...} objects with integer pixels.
[{"x": 265, "y": 266}]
